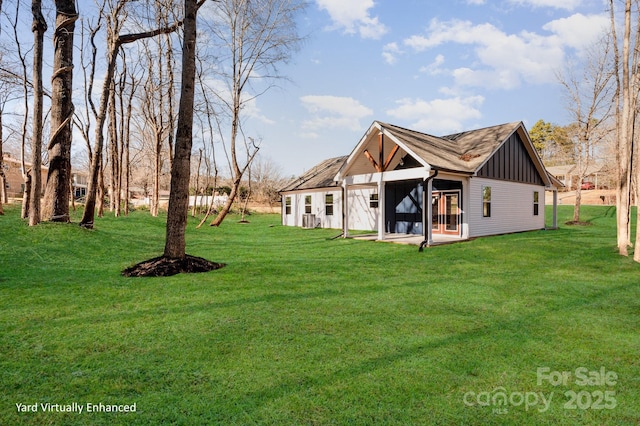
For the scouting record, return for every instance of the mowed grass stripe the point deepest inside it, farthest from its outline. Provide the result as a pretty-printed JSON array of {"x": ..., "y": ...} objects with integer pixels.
[{"x": 302, "y": 329}]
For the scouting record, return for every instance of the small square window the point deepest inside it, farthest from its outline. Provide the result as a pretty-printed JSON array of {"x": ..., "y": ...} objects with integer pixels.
[
  {"x": 373, "y": 201},
  {"x": 536, "y": 204}
]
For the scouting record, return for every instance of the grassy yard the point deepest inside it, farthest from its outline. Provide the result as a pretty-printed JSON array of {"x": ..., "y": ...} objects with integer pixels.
[{"x": 302, "y": 329}]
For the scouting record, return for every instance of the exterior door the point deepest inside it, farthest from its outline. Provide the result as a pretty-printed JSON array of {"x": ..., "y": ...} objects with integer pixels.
[
  {"x": 446, "y": 213},
  {"x": 403, "y": 209}
]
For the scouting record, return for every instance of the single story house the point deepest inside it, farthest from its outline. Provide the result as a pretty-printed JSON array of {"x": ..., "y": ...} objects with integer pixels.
[
  {"x": 399, "y": 181},
  {"x": 569, "y": 175}
]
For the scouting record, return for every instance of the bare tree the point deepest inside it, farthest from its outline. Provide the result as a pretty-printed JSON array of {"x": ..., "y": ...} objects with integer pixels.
[
  {"x": 589, "y": 104},
  {"x": 26, "y": 174},
  {"x": 210, "y": 160},
  {"x": 82, "y": 119},
  {"x": 175, "y": 244},
  {"x": 56, "y": 201},
  {"x": 252, "y": 39},
  {"x": 627, "y": 79},
  {"x": 175, "y": 259},
  {"x": 9, "y": 84},
  {"x": 155, "y": 112},
  {"x": 129, "y": 85},
  {"x": 39, "y": 27},
  {"x": 113, "y": 148},
  {"x": 196, "y": 185},
  {"x": 115, "y": 22}
]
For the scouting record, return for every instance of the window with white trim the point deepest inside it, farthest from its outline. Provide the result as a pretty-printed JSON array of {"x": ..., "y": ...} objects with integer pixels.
[
  {"x": 486, "y": 201},
  {"x": 287, "y": 205},
  {"x": 307, "y": 204},
  {"x": 328, "y": 204}
]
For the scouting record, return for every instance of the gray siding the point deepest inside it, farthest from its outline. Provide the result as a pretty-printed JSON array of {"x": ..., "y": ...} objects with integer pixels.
[{"x": 511, "y": 208}]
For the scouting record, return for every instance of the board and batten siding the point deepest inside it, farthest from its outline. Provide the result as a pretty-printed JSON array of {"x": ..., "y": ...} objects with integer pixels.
[{"x": 511, "y": 207}]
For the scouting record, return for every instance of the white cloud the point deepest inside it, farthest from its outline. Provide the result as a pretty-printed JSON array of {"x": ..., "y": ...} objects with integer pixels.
[
  {"x": 557, "y": 4},
  {"x": 579, "y": 31},
  {"x": 438, "y": 116},
  {"x": 434, "y": 68},
  {"x": 476, "y": 2},
  {"x": 390, "y": 53},
  {"x": 330, "y": 112},
  {"x": 506, "y": 60},
  {"x": 353, "y": 17}
]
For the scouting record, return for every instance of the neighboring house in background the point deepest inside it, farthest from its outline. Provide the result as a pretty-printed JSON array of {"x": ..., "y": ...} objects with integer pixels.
[
  {"x": 14, "y": 184},
  {"x": 481, "y": 182},
  {"x": 80, "y": 183},
  {"x": 568, "y": 175}
]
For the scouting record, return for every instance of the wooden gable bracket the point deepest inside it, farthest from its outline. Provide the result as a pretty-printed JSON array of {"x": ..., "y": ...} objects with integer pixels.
[
  {"x": 372, "y": 160},
  {"x": 389, "y": 158},
  {"x": 382, "y": 165}
]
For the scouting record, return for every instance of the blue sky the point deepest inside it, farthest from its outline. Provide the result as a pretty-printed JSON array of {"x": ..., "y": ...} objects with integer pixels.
[{"x": 435, "y": 66}]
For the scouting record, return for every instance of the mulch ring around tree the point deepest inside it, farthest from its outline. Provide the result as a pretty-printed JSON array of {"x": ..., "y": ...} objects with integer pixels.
[
  {"x": 165, "y": 267},
  {"x": 578, "y": 223}
]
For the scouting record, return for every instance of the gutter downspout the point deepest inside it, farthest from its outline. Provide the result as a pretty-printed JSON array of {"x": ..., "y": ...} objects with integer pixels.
[
  {"x": 425, "y": 212},
  {"x": 345, "y": 208}
]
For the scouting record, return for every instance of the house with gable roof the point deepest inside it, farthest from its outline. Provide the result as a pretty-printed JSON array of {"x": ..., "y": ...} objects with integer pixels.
[{"x": 398, "y": 181}]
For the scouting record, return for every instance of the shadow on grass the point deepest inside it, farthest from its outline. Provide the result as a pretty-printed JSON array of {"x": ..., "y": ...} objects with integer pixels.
[{"x": 267, "y": 395}]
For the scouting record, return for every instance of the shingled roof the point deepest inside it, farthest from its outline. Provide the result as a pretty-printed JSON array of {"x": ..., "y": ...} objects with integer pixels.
[
  {"x": 461, "y": 152},
  {"x": 464, "y": 152},
  {"x": 320, "y": 176}
]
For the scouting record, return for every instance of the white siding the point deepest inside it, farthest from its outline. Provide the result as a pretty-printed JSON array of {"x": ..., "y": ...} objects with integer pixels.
[
  {"x": 511, "y": 207},
  {"x": 361, "y": 216},
  {"x": 317, "y": 208}
]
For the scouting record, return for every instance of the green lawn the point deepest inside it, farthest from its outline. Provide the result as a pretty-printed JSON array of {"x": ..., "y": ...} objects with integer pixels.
[{"x": 302, "y": 329}]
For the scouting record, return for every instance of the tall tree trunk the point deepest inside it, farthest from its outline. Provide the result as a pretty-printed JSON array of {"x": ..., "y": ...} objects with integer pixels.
[
  {"x": 26, "y": 195},
  {"x": 175, "y": 245},
  {"x": 197, "y": 185},
  {"x": 96, "y": 159},
  {"x": 38, "y": 26},
  {"x": 126, "y": 142},
  {"x": 157, "y": 164},
  {"x": 115, "y": 40},
  {"x": 100, "y": 188},
  {"x": 170, "y": 89},
  {"x": 3, "y": 180},
  {"x": 625, "y": 133},
  {"x": 121, "y": 136},
  {"x": 578, "y": 203},
  {"x": 56, "y": 200},
  {"x": 636, "y": 250},
  {"x": 113, "y": 151},
  {"x": 621, "y": 75}
]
